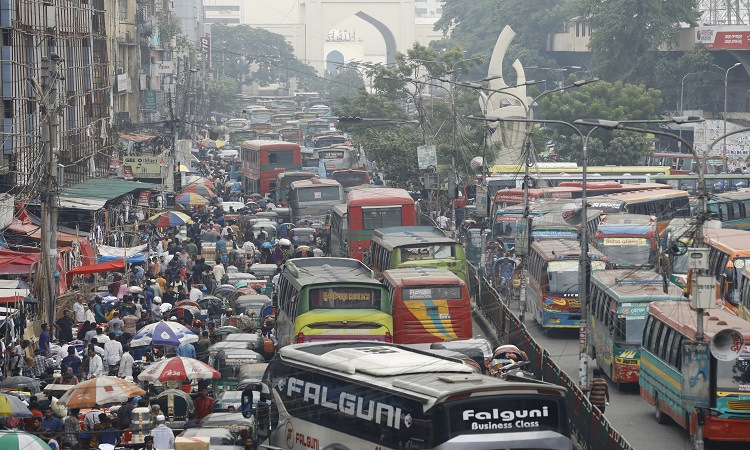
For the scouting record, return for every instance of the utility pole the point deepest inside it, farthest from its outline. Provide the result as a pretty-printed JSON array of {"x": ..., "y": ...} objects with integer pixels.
[{"x": 47, "y": 97}]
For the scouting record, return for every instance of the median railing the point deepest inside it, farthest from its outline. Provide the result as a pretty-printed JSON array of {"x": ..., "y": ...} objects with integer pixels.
[{"x": 589, "y": 428}]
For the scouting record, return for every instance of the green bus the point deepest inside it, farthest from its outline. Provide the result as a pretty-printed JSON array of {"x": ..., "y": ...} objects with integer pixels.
[
  {"x": 617, "y": 314},
  {"x": 323, "y": 299},
  {"x": 732, "y": 209},
  {"x": 686, "y": 382},
  {"x": 416, "y": 246}
]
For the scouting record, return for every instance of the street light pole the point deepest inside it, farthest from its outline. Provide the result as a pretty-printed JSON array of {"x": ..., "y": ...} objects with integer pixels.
[
  {"x": 682, "y": 91},
  {"x": 726, "y": 83}
]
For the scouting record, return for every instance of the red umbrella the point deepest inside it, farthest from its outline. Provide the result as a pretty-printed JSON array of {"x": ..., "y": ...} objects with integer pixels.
[{"x": 178, "y": 368}]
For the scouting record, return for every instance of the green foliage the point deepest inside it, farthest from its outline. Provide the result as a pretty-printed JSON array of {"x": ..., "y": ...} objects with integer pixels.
[
  {"x": 602, "y": 100},
  {"x": 626, "y": 35},
  {"x": 253, "y": 54},
  {"x": 222, "y": 95},
  {"x": 169, "y": 27},
  {"x": 703, "y": 85},
  {"x": 346, "y": 83},
  {"x": 476, "y": 24}
]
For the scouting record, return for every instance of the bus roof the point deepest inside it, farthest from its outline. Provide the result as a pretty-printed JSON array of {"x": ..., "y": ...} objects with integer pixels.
[
  {"x": 270, "y": 145},
  {"x": 377, "y": 196},
  {"x": 635, "y": 196},
  {"x": 625, "y": 228},
  {"x": 680, "y": 316},
  {"x": 731, "y": 241},
  {"x": 627, "y": 285},
  {"x": 340, "y": 210},
  {"x": 421, "y": 276},
  {"x": 628, "y": 219},
  {"x": 741, "y": 194},
  {"x": 323, "y": 270},
  {"x": 313, "y": 182},
  {"x": 564, "y": 249},
  {"x": 413, "y": 373},
  {"x": 392, "y": 237}
]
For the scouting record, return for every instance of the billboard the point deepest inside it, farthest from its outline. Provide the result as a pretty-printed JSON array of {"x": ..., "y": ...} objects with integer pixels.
[
  {"x": 144, "y": 166},
  {"x": 723, "y": 37}
]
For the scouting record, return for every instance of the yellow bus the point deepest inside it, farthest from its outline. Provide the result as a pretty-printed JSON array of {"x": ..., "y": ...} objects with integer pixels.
[
  {"x": 664, "y": 204},
  {"x": 415, "y": 246},
  {"x": 323, "y": 299},
  {"x": 728, "y": 256}
]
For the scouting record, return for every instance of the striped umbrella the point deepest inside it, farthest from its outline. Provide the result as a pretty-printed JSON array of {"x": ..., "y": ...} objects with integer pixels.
[
  {"x": 100, "y": 391},
  {"x": 203, "y": 181},
  {"x": 163, "y": 333},
  {"x": 200, "y": 190},
  {"x": 178, "y": 368},
  {"x": 18, "y": 440},
  {"x": 190, "y": 199},
  {"x": 168, "y": 219},
  {"x": 12, "y": 406}
]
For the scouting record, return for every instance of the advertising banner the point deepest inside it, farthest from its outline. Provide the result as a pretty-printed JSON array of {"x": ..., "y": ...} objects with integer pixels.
[
  {"x": 726, "y": 37},
  {"x": 144, "y": 166}
]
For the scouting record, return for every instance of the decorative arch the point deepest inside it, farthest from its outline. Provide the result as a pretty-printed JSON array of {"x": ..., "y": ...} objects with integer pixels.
[
  {"x": 388, "y": 37},
  {"x": 334, "y": 60}
]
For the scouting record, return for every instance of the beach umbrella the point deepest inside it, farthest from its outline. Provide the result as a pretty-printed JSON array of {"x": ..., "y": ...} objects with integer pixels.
[
  {"x": 19, "y": 440},
  {"x": 200, "y": 190},
  {"x": 208, "y": 143},
  {"x": 163, "y": 333},
  {"x": 202, "y": 181},
  {"x": 12, "y": 406},
  {"x": 220, "y": 143},
  {"x": 186, "y": 303},
  {"x": 100, "y": 391},
  {"x": 190, "y": 199},
  {"x": 178, "y": 368},
  {"x": 185, "y": 169},
  {"x": 24, "y": 383},
  {"x": 168, "y": 219}
]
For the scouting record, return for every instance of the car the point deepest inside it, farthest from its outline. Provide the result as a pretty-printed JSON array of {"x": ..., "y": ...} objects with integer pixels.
[
  {"x": 227, "y": 399},
  {"x": 234, "y": 205},
  {"x": 234, "y": 422},
  {"x": 219, "y": 438}
]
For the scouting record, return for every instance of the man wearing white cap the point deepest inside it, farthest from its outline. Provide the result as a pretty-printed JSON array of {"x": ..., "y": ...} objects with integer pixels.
[{"x": 163, "y": 435}]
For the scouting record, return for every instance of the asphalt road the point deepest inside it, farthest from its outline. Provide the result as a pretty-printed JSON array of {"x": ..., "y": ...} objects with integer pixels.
[{"x": 630, "y": 414}]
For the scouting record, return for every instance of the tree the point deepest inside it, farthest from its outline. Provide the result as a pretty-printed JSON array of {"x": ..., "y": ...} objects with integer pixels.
[
  {"x": 345, "y": 83},
  {"x": 602, "y": 100},
  {"x": 253, "y": 54},
  {"x": 703, "y": 81},
  {"x": 626, "y": 35},
  {"x": 223, "y": 95}
]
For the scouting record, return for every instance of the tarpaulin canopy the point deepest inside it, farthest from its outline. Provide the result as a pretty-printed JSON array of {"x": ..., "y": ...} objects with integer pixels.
[
  {"x": 119, "y": 252},
  {"x": 117, "y": 264},
  {"x": 17, "y": 263},
  {"x": 135, "y": 259}
]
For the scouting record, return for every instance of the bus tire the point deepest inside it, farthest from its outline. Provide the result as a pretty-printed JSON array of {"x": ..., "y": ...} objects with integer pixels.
[{"x": 660, "y": 417}]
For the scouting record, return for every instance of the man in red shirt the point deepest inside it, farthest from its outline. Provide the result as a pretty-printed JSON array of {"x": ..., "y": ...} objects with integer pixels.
[{"x": 204, "y": 404}]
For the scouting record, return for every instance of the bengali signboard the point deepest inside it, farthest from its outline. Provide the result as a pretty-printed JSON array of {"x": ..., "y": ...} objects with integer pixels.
[
  {"x": 144, "y": 166},
  {"x": 426, "y": 156},
  {"x": 149, "y": 101},
  {"x": 725, "y": 37}
]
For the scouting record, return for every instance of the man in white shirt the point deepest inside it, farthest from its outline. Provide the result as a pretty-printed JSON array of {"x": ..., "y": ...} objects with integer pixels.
[
  {"x": 318, "y": 252},
  {"x": 95, "y": 364},
  {"x": 126, "y": 365},
  {"x": 79, "y": 312},
  {"x": 163, "y": 435},
  {"x": 113, "y": 350},
  {"x": 195, "y": 293},
  {"x": 442, "y": 221},
  {"x": 219, "y": 272},
  {"x": 249, "y": 248},
  {"x": 62, "y": 352}
]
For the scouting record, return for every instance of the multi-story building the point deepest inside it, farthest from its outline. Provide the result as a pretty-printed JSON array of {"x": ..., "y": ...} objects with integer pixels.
[{"x": 53, "y": 64}]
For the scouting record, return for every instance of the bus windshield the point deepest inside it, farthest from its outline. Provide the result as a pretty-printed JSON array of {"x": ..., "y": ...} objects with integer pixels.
[
  {"x": 680, "y": 264},
  {"x": 627, "y": 251},
  {"x": 562, "y": 276},
  {"x": 318, "y": 193},
  {"x": 733, "y": 376},
  {"x": 350, "y": 179},
  {"x": 331, "y": 154},
  {"x": 373, "y": 217},
  {"x": 427, "y": 252},
  {"x": 630, "y": 327},
  {"x": 434, "y": 293},
  {"x": 505, "y": 227},
  {"x": 344, "y": 298}
]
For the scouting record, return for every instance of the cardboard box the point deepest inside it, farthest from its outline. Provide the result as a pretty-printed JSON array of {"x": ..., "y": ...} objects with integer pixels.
[{"x": 192, "y": 443}]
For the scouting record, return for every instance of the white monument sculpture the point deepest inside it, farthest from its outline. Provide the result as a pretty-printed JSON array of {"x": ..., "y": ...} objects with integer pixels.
[{"x": 506, "y": 103}]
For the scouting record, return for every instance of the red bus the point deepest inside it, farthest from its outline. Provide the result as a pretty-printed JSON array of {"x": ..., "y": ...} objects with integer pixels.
[
  {"x": 570, "y": 189},
  {"x": 368, "y": 208},
  {"x": 262, "y": 161},
  {"x": 428, "y": 305}
]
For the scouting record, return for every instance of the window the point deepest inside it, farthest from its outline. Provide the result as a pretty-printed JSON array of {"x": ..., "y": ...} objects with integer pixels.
[
  {"x": 282, "y": 158},
  {"x": 373, "y": 218},
  {"x": 661, "y": 350}
]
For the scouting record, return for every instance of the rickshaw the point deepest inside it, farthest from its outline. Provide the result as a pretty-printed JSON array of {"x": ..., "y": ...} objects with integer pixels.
[
  {"x": 210, "y": 304},
  {"x": 243, "y": 323},
  {"x": 228, "y": 363},
  {"x": 269, "y": 216},
  {"x": 303, "y": 251},
  {"x": 175, "y": 404},
  {"x": 268, "y": 227},
  {"x": 284, "y": 228},
  {"x": 302, "y": 236},
  {"x": 186, "y": 312},
  {"x": 251, "y": 305},
  {"x": 283, "y": 215}
]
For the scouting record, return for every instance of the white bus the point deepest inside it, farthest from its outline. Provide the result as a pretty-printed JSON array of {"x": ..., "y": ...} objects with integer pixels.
[{"x": 358, "y": 394}]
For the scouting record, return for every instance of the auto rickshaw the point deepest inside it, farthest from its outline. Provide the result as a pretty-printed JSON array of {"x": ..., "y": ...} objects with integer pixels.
[
  {"x": 303, "y": 251},
  {"x": 228, "y": 363},
  {"x": 302, "y": 236}
]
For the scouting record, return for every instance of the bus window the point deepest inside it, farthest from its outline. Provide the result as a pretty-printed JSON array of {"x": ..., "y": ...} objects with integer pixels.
[{"x": 373, "y": 218}]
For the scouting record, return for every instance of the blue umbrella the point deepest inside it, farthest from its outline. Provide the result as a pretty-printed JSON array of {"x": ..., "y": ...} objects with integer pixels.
[{"x": 163, "y": 333}]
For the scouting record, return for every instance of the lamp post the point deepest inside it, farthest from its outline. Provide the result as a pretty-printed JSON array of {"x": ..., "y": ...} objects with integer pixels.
[
  {"x": 726, "y": 83},
  {"x": 583, "y": 264},
  {"x": 682, "y": 91}
]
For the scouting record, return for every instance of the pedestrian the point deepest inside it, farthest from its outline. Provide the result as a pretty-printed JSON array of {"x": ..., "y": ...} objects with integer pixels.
[
  {"x": 186, "y": 350},
  {"x": 95, "y": 364},
  {"x": 599, "y": 390},
  {"x": 40, "y": 363},
  {"x": 50, "y": 422},
  {"x": 64, "y": 326},
  {"x": 71, "y": 428},
  {"x": 71, "y": 361},
  {"x": 44, "y": 339},
  {"x": 442, "y": 221},
  {"x": 79, "y": 312},
  {"x": 126, "y": 363},
  {"x": 18, "y": 361},
  {"x": 204, "y": 404},
  {"x": 113, "y": 353},
  {"x": 163, "y": 435}
]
